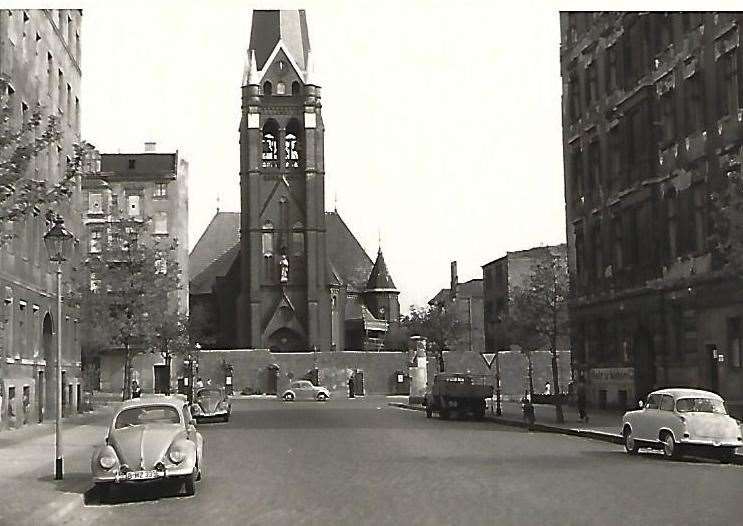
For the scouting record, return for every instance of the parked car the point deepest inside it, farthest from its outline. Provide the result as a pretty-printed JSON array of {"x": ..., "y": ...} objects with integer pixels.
[
  {"x": 305, "y": 390},
  {"x": 211, "y": 403},
  {"x": 458, "y": 392},
  {"x": 679, "y": 421},
  {"x": 149, "y": 439}
]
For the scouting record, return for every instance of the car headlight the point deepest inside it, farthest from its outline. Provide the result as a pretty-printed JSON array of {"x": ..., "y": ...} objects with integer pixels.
[
  {"x": 107, "y": 462},
  {"x": 176, "y": 454}
]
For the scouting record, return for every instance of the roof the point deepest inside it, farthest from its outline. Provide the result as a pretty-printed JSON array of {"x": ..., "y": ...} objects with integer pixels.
[
  {"x": 220, "y": 236},
  {"x": 683, "y": 392},
  {"x": 176, "y": 401},
  {"x": 139, "y": 164},
  {"x": 203, "y": 283},
  {"x": 349, "y": 260},
  {"x": 559, "y": 250},
  {"x": 380, "y": 278},
  {"x": 270, "y": 27}
]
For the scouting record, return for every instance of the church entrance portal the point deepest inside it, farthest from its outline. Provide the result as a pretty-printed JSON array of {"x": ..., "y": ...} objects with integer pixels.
[{"x": 286, "y": 340}]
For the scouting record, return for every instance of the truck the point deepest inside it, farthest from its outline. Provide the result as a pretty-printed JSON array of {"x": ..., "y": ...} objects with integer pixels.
[{"x": 462, "y": 393}]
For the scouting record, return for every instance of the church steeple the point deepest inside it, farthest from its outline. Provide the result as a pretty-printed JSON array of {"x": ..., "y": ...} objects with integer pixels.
[
  {"x": 381, "y": 295},
  {"x": 379, "y": 278}
]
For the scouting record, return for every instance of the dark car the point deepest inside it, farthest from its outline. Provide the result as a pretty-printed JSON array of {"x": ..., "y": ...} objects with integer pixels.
[{"x": 211, "y": 403}]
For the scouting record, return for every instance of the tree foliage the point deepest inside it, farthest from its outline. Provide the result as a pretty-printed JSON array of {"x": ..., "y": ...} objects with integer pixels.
[
  {"x": 539, "y": 316},
  {"x": 438, "y": 324},
  {"x": 23, "y": 190},
  {"x": 129, "y": 295}
]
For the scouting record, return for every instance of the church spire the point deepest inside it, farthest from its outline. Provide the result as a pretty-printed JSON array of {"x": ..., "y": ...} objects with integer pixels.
[{"x": 380, "y": 278}]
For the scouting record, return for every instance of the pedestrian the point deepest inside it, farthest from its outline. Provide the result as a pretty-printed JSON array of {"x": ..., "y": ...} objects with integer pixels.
[
  {"x": 547, "y": 388},
  {"x": 199, "y": 383},
  {"x": 581, "y": 400},
  {"x": 136, "y": 390},
  {"x": 528, "y": 408},
  {"x": 351, "y": 387}
]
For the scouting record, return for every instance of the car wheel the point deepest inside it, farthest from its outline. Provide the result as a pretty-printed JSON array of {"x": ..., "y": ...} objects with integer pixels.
[
  {"x": 670, "y": 448},
  {"x": 322, "y": 397},
  {"x": 630, "y": 446},
  {"x": 288, "y": 397},
  {"x": 189, "y": 484}
]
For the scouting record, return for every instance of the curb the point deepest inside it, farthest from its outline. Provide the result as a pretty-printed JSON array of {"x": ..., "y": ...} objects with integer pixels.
[{"x": 613, "y": 438}]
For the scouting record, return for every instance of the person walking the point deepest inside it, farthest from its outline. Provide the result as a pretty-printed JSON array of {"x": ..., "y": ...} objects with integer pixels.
[
  {"x": 581, "y": 400},
  {"x": 136, "y": 390},
  {"x": 547, "y": 388},
  {"x": 528, "y": 408},
  {"x": 351, "y": 387}
]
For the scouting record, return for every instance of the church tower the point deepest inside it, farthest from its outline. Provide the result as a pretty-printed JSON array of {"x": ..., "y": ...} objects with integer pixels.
[
  {"x": 381, "y": 295},
  {"x": 284, "y": 301}
]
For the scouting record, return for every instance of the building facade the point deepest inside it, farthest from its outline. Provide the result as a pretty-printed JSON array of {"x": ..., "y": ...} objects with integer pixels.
[
  {"x": 652, "y": 123},
  {"x": 297, "y": 279},
  {"x": 500, "y": 277},
  {"x": 150, "y": 187},
  {"x": 40, "y": 61}
]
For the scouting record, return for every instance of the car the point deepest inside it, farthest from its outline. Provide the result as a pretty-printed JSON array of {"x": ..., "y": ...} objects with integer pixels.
[
  {"x": 149, "y": 440},
  {"x": 679, "y": 421},
  {"x": 211, "y": 403},
  {"x": 305, "y": 390}
]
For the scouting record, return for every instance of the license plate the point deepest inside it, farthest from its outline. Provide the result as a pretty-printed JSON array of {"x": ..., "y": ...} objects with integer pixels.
[{"x": 142, "y": 475}]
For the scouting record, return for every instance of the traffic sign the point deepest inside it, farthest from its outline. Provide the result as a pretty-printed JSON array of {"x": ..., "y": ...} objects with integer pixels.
[{"x": 488, "y": 357}]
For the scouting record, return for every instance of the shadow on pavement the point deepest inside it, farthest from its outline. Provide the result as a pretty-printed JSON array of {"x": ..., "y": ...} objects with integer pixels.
[
  {"x": 71, "y": 483},
  {"x": 650, "y": 456},
  {"x": 95, "y": 496}
]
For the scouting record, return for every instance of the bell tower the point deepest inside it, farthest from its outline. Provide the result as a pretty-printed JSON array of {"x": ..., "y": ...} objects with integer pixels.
[{"x": 284, "y": 302}]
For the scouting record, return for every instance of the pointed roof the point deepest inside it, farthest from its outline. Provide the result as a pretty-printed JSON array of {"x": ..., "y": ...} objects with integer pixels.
[
  {"x": 205, "y": 280},
  {"x": 350, "y": 261},
  {"x": 380, "y": 278},
  {"x": 222, "y": 233},
  {"x": 273, "y": 26}
]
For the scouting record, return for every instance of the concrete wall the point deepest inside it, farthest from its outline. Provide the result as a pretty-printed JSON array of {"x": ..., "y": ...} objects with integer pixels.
[{"x": 250, "y": 366}]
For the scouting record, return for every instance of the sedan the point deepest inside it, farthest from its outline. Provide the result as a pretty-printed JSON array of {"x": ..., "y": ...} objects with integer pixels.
[
  {"x": 211, "y": 403},
  {"x": 682, "y": 420},
  {"x": 149, "y": 440},
  {"x": 305, "y": 390}
]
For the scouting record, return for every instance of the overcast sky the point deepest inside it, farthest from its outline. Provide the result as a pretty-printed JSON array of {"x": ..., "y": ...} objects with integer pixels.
[{"x": 442, "y": 118}]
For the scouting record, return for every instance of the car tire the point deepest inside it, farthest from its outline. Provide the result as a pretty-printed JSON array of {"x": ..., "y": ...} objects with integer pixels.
[
  {"x": 670, "y": 447},
  {"x": 189, "y": 484},
  {"x": 630, "y": 445},
  {"x": 321, "y": 397},
  {"x": 288, "y": 397}
]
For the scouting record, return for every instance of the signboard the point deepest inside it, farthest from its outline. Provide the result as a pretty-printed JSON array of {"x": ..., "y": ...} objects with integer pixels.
[
  {"x": 228, "y": 380},
  {"x": 488, "y": 357},
  {"x": 613, "y": 374}
]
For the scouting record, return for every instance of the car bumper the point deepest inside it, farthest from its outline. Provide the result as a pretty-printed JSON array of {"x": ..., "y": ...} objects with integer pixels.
[
  {"x": 184, "y": 469},
  {"x": 711, "y": 443},
  {"x": 215, "y": 414}
]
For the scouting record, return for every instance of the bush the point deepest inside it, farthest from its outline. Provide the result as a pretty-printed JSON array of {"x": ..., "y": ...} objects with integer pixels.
[{"x": 250, "y": 391}]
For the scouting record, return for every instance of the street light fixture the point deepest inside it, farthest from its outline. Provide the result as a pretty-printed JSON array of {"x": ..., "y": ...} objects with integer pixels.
[{"x": 58, "y": 242}]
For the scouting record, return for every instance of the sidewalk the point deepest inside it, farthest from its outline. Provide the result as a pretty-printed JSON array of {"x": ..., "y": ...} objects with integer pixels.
[{"x": 602, "y": 424}]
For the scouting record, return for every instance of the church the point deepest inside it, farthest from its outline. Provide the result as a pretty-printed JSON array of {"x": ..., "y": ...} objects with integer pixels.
[{"x": 284, "y": 274}]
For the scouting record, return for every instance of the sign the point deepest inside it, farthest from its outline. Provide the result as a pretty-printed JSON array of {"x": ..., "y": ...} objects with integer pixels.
[
  {"x": 488, "y": 357},
  {"x": 228, "y": 380},
  {"x": 613, "y": 374},
  {"x": 400, "y": 378}
]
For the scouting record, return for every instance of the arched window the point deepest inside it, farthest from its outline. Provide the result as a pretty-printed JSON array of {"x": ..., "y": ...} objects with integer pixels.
[
  {"x": 298, "y": 239},
  {"x": 296, "y": 88},
  {"x": 280, "y": 88},
  {"x": 270, "y": 144},
  {"x": 292, "y": 145},
  {"x": 268, "y": 239},
  {"x": 267, "y": 88}
]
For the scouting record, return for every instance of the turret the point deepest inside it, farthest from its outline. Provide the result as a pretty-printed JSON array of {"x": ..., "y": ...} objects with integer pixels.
[{"x": 381, "y": 295}]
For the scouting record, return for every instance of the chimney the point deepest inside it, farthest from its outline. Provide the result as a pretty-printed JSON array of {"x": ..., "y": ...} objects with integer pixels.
[
  {"x": 150, "y": 147},
  {"x": 454, "y": 280}
]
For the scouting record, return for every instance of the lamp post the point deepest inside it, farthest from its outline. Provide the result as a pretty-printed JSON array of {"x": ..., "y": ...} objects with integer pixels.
[{"x": 58, "y": 242}]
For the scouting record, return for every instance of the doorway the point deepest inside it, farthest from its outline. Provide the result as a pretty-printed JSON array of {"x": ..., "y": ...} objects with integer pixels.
[
  {"x": 714, "y": 371},
  {"x": 162, "y": 378},
  {"x": 643, "y": 352},
  {"x": 272, "y": 379},
  {"x": 40, "y": 395}
]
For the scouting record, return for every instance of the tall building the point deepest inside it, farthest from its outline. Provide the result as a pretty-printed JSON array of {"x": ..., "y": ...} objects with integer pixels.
[
  {"x": 40, "y": 61},
  {"x": 150, "y": 187},
  {"x": 500, "y": 278},
  {"x": 652, "y": 122},
  {"x": 299, "y": 280}
]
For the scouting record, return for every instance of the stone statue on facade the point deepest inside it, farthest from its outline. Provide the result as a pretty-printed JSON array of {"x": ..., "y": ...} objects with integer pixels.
[{"x": 284, "y": 267}]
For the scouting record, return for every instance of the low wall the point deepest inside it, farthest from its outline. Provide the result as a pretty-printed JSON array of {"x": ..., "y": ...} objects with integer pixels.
[{"x": 251, "y": 368}]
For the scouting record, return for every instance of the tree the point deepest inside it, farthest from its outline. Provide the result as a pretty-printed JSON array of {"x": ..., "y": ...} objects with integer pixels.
[
  {"x": 538, "y": 314},
  {"x": 129, "y": 297},
  {"x": 22, "y": 191},
  {"x": 438, "y": 324}
]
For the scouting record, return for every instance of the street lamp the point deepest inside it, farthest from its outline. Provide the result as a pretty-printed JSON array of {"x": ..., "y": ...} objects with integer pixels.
[{"x": 58, "y": 242}]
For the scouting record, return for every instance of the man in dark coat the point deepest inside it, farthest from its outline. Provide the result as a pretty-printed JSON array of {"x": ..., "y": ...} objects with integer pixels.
[
  {"x": 350, "y": 387},
  {"x": 581, "y": 400}
]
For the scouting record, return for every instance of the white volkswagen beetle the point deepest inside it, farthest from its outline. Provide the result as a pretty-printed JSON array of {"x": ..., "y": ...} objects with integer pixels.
[
  {"x": 305, "y": 390},
  {"x": 682, "y": 421}
]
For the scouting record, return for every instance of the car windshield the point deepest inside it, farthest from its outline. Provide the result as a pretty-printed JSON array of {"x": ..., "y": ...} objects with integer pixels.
[
  {"x": 209, "y": 393},
  {"x": 700, "y": 405},
  {"x": 137, "y": 416}
]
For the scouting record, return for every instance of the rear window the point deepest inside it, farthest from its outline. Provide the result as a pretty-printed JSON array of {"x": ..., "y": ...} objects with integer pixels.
[
  {"x": 209, "y": 393},
  {"x": 700, "y": 405},
  {"x": 136, "y": 416}
]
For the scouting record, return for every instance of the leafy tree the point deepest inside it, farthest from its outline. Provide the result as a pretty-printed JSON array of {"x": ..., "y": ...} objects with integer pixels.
[
  {"x": 202, "y": 324},
  {"x": 129, "y": 297},
  {"x": 438, "y": 324},
  {"x": 22, "y": 191},
  {"x": 538, "y": 314}
]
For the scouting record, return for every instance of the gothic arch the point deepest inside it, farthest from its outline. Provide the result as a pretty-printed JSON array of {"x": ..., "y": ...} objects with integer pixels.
[
  {"x": 270, "y": 146},
  {"x": 292, "y": 144},
  {"x": 286, "y": 340},
  {"x": 267, "y": 88},
  {"x": 296, "y": 89}
]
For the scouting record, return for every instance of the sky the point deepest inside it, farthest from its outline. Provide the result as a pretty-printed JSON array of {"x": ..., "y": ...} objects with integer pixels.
[{"x": 442, "y": 119}]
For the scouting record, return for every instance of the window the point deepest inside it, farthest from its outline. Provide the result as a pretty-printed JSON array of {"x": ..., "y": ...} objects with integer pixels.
[
  {"x": 132, "y": 164},
  {"x": 598, "y": 251},
  {"x": 577, "y": 166},
  {"x": 611, "y": 69},
  {"x": 615, "y": 159},
  {"x": 291, "y": 145},
  {"x": 573, "y": 96},
  {"x": 298, "y": 239},
  {"x": 280, "y": 88},
  {"x": 668, "y": 116},
  {"x": 579, "y": 250},
  {"x": 60, "y": 89},
  {"x": 734, "y": 342},
  {"x": 94, "y": 203},
  {"x": 267, "y": 239},
  {"x": 653, "y": 401},
  {"x": 267, "y": 88},
  {"x": 727, "y": 85},
  {"x": 270, "y": 145},
  {"x": 594, "y": 165},
  {"x": 68, "y": 104},
  {"x": 49, "y": 71},
  {"x": 161, "y": 190},
  {"x": 133, "y": 205},
  {"x": 296, "y": 88},
  {"x": 693, "y": 100},
  {"x": 672, "y": 211},
  {"x": 591, "y": 83},
  {"x": 96, "y": 238},
  {"x": 77, "y": 113},
  {"x": 666, "y": 403},
  {"x": 700, "y": 198},
  {"x": 161, "y": 223},
  {"x": 631, "y": 237}
]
